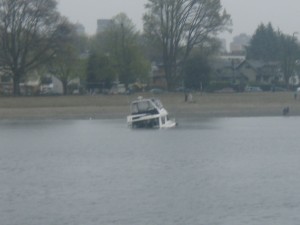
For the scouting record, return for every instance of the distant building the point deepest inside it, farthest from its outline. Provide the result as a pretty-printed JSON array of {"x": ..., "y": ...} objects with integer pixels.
[
  {"x": 158, "y": 76},
  {"x": 51, "y": 85},
  {"x": 224, "y": 69},
  {"x": 80, "y": 29},
  {"x": 223, "y": 45},
  {"x": 239, "y": 43},
  {"x": 103, "y": 24},
  {"x": 261, "y": 72}
]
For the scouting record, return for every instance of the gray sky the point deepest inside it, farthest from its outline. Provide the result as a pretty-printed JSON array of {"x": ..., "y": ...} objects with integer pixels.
[{"x": 246, "y": 14}]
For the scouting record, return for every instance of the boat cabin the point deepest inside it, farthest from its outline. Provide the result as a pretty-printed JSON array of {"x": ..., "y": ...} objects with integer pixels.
[{"x": 148, "y": 113}]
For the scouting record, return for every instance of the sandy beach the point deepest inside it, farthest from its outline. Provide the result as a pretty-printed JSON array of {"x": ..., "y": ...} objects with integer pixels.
[{"x": 117, "y": 106}]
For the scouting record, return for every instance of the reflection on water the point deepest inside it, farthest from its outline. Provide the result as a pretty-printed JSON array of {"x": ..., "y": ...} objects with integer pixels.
[{"x": 228, "y": 171}]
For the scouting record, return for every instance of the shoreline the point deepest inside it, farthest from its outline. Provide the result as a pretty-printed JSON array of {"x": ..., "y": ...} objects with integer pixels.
[{"x": 117, "y": 106}]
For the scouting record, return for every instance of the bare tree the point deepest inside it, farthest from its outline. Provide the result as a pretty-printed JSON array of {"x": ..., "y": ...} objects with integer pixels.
[
  {"x": 66, "y": 64},
  {"x": 120, "y": 41},
  {"x": 30, "y": 34},
  {"x": 179, "y": 25}
]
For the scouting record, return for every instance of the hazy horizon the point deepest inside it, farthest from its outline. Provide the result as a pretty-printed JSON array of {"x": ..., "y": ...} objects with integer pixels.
[{"x": 246, "y": 15}]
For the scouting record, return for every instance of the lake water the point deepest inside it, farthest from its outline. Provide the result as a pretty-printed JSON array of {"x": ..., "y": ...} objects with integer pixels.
[{"x": 228, "y": 171}]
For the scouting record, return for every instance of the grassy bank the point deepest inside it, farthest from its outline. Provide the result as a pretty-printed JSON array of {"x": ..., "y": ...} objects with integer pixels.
[{"x": 117, "y": 106}]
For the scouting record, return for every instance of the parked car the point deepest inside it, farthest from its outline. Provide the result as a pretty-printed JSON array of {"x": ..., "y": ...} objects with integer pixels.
[
  {"x": 183, "y": 89},
  {"x": 180, "y": 89},
  {"x": 226, "y": 90},
  {"x": 252, "y": 89},
  {"x": 278, "y": 89},
  {"x": 118, "y": 89},
  {"x": 156, "y": 91}
]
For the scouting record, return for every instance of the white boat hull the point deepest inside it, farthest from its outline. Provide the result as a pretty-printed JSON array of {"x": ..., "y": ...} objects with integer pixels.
[{"x": 149, "y": 113}]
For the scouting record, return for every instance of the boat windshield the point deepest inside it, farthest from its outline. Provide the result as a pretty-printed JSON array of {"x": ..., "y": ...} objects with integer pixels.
[
  {"x": 142, "y": 107},
  {"x": 158, "y": 103}
]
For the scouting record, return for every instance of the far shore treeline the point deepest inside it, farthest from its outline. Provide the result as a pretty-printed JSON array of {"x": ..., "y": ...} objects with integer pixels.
[{"x": 178, "y": 49}]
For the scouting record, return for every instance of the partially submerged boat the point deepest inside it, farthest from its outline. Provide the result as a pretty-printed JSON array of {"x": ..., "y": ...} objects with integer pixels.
[{"x": 149, "y": 113}]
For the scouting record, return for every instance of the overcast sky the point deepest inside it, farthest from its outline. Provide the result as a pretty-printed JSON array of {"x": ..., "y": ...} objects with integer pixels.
[{"x": 246, "y": 14}]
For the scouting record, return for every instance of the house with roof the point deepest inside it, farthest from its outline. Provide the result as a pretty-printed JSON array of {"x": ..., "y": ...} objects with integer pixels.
[
  {"x": 28, "y": 86},
  {"x": 235, "y": 71},
  {"x": 255, "y": 71},
  {"x": 157, "y": 76},
  {"x": 33, "y": 84},
  {"x": 225, "y": 69},
  {"x": 240, "y": 72}
]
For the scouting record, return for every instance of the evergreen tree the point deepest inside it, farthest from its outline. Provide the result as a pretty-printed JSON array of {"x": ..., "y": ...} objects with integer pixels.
[
  {"x": 268, "y": 45},
  {"x": 264, "y": 44}
]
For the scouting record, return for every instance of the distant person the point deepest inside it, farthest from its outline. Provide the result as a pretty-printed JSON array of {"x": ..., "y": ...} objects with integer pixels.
[
  {"x": 295, "y": 95},
  {"x": 185, "y": 96},
  {"x": 286, "y": 111},
  {"x": 190, "y": 97}
]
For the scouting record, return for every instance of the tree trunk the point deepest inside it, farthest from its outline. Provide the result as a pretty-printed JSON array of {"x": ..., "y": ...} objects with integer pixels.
[
  {"x": 171, "y": 76},
  {"x": 65, "y": 87},
  {"x": 16, "y": 84},
  {"x": 168, "y": 75}
]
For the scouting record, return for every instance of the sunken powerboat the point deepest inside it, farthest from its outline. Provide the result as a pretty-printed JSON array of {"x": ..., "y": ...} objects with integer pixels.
[{"x": 149, "y": 113}]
